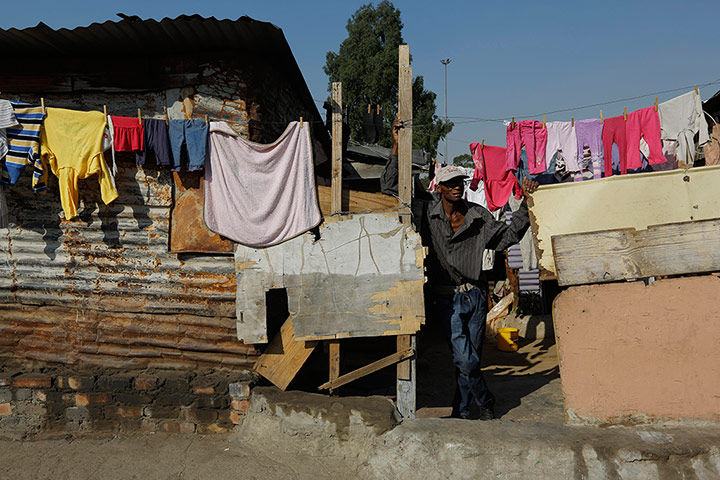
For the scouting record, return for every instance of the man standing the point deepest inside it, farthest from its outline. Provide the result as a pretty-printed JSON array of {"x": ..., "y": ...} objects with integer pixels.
[{"x": 458, "y": 233}]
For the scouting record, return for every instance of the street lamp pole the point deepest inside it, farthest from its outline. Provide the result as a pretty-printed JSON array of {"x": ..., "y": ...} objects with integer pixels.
[{"x": 445, "y": 62}]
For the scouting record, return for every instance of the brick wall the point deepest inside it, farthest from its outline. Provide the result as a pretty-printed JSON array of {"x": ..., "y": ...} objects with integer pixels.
[{"x": 33, "y": 404}]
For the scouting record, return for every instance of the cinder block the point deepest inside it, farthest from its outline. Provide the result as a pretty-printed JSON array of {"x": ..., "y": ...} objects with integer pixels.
[
  {"x": 113, "y": 411},
  {"x": 236, "y": 418},
  {"x": 174, "y": 400},
  {"x": 203, "y": 390},
  {"x": 199, "y": 415},
  {"x": 85, "y": 399},
  {"x": 146, "y": 382},
  {"x": 32, "y": 381},
  {"x": 239, "y": 390},
  {"x": 170, "y": 427},
  {"x": 77, "y": 414},
  {"x": 5, "y": 409},
  {"x": 177, "y": 384},
  {"x": 157, "y": 411},
  {"x": 240, "y": 406},
  {"x": 114, "y": 384},
  {"x": 187, "y": 427},
  {"x": 22, "y": 394},
  {"x": 133, "y": 399},
  {"x": 5, "y": 395},
  {"x": 218, "y": 402}
]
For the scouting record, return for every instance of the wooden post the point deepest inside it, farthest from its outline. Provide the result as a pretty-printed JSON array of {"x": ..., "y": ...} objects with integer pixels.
[
  {"x": 334, "y": 351},
  {"x": 406, "y": 369},
  {"x": 336, "y": 185}
]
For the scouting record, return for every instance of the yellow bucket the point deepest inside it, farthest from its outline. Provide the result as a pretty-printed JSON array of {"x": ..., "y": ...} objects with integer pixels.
[{"x": 506, "y": 339}]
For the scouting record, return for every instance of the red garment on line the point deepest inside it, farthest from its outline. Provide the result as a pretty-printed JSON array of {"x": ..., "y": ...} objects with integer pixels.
[
  {"x": 614, "y": 132},
  {"x": 128, "y": 134},
  {"x": 644, "y": 123},
  {"x": 491, "y": 167}
]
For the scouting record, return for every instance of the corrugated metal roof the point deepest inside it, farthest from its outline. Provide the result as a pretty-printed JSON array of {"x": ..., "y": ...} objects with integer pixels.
[{"x": 183, "y": 34}]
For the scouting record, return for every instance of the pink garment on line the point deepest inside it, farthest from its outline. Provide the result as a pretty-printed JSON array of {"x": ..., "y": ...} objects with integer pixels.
[
  {"x": 643, "y": 123},
  {"x": 260, "y": 195},
  {"x": 533, "y": 136},
  {"x": 491, "y": 167}
]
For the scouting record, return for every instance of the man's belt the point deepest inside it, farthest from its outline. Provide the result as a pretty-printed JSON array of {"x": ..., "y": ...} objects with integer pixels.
[{"x": 452, "y": 289}]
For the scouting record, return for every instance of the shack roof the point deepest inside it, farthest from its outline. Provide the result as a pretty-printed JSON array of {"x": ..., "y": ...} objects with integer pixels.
[{"x": 183, "y": 34}]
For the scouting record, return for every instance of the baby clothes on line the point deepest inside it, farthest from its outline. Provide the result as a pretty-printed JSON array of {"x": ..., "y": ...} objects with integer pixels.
[
  {"x": 499, "y": 182},
  {"x": 589, "y": 133},
  {"x": 128, "y": 134},
  {"x": 260, "y": 195},
  {"x": 72, "y": 147},
  {"x": 193, "y": 134},
  {"x": 643, "y": 123},
  {"x": 532, "y": 135},
  {"x": 24, "y": 147},
  {"x": 7, "y": 120},
  {"x": 561, "y": 138},
  {"x": 680, "y": 119},
  {"x": 614, "y": 132},
  {"x": 156, "y": 141}
]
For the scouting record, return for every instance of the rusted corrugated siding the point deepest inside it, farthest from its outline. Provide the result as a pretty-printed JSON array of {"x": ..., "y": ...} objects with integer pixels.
[{"x": 103, "y": 289}]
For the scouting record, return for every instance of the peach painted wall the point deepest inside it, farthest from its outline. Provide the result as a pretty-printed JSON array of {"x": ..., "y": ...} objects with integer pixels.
[{"x": 633, "y": 353}]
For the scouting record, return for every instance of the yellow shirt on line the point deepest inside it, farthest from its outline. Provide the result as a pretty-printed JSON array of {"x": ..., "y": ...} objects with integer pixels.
[{"x": 71, "y": 144}]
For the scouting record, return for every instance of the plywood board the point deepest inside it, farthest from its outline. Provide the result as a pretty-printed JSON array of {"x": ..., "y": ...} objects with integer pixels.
[
  {"x": 284, "y": 356},
  {"x": 626, "y": 253},
  {"x": 355, "y": 201},
  {"x": 362, "y": 278},
  {"x": 627, "y": 201}
]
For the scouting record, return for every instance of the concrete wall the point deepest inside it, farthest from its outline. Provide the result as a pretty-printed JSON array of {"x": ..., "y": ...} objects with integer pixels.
[{"x": 631, "y": 353}]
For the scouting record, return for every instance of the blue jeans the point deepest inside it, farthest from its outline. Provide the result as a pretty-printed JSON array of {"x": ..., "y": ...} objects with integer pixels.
[
  {"x": 194, "y": 135},
  {"x": 463, "y": 316}
]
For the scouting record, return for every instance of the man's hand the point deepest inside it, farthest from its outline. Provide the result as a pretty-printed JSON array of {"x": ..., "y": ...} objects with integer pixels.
[
  {"x": 396, "y": 126},
  {"x": 528, "y": 186}
]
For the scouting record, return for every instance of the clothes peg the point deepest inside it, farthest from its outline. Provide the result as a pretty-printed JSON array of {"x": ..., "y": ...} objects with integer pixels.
[
  {"x": 572, "y": 121},
  {"x": 601, "y": 117},
  {"x": 139, "y": 116},
  {"x": 697, "y": 92},
  {"x": 656, "y": 104},
  {"x": 207, "y": 122},
  {"x": 369, "y": 108},
  {"x": 377, "y": 108},
  {"x": 512, "y": 123},
  {"x": 482, "y": 145},
  {"x": 301, "y": 122},
  {"x": 625, "y": 113},
  {"x": 543, "y": 121},
  {"x": 167, "y": 120},
  {"x": 105, "y": 112},
  {"x": 42, "y": 104}
]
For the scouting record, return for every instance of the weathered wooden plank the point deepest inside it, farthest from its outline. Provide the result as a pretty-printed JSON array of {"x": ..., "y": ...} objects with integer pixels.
[
  {"x": 407, "y": 388},
  {"x": 403, "y": 368},
  {"x": 334, "y": 360},
  {"x": 336, "y": 200},
  {"x": 625, "y": 201},
  {"x": 355, "y": 201},
  {"x": 363, "y": 278},
  {"x": 284, "y": 356},
  {"x": 405, "y": 134},
  {"x": 626, "y": 253},
  {"x": 368, "y": 369}
]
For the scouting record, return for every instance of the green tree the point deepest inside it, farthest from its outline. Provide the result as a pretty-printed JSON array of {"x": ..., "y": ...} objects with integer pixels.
[
  {"x": 367, "y": 65},
  {"x": 464, "y": 160}
]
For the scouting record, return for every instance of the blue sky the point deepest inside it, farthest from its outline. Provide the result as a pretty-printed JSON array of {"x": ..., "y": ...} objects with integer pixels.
[{"x": 508, "y": 58}]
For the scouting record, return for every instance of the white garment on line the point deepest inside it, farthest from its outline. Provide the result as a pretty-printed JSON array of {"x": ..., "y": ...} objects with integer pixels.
[
  {"x": 680, "y": 119},
  {"x": 260, "y": 195},
  {"x": 109, "y": 144},
  {"x": 561, "y": 138}
]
